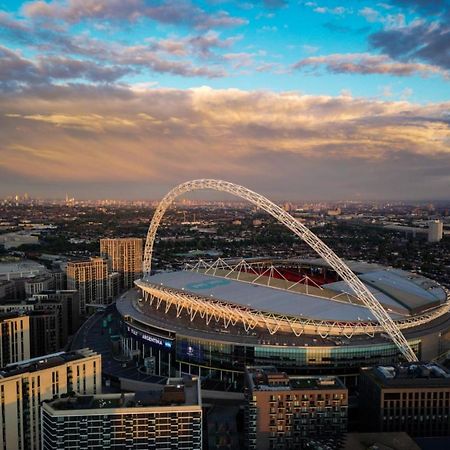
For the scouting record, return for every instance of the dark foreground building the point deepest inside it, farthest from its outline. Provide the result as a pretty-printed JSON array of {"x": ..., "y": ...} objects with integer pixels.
[
  {"x": 413, "y": 397},
  {"x": 285, "y": 412},
  {"x": 169, "y": 421}
]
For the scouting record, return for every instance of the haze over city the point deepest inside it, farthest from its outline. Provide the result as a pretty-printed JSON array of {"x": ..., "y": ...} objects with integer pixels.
[{"x": 299, "y": 100}]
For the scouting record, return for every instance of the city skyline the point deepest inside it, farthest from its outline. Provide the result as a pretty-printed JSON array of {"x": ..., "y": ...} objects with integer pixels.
[{"x": 298, "y": 100}]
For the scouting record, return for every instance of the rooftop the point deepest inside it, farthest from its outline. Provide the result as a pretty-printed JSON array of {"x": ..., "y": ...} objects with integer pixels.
[
  {"x": 410, "y": 374},
  {"x": 178, "y": 392},
  {"x": 263, "y": 298},
  {"x": 401, "y": 293},
  {"x": 10, "y": 314},
  {"x": 44, "y": 362},
  {"x": 268, "y": 378},
  {"x": 38, "y": 279},
  {"x": 19, "y": 268}
]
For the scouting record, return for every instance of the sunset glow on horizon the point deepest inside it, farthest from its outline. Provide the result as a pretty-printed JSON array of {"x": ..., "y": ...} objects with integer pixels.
[{"x": 298, "y": 100}]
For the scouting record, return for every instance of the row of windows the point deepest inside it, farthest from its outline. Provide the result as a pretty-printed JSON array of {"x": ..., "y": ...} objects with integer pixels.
[{"x": 231, "y": 356}]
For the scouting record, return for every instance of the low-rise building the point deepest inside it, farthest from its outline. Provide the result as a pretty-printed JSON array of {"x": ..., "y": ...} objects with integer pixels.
[
  {"x": 18, "y": 238},
  {"x": 7, "y": 289},
  {"x": 15, "y": 268},
  {"x": 171, "y": 419},
  {"x": 38, "y": 284}
]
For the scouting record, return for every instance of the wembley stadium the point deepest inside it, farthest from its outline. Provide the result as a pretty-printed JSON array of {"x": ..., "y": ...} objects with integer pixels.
[{"x": 321, "y": 315}]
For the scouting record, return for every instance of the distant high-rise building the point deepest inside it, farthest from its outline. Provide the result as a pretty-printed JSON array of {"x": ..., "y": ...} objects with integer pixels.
[
  {"x": 435, "y": 230},
  {"x": 24, "y": 386},
  {"x": 287, "y": 207},
  {"x": 285, "y": 411},
  {"x": 112, "y": 421},
  {"x": 125, "y": 256},
  {"x": 413, "y": 397},
  {"x": 14, "y": 338},
  {"x": 90, "y": 279}
]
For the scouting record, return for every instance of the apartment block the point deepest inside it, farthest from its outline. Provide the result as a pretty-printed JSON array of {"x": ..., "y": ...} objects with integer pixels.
[
  {"x": 411, "y": 397},
  {"x": 125, "y": 256},
  {"x": 284, "y": 412},
  {"x": 45, "y": 334},
  {"x": 91, "y": 280},
  {"x": 38, "y": 284},
  {"x": 25, "y": 385},
  {"x": 14, "y": 337},
  {"x": 435, "y": 230},
  {"x": 66, "y": 305},
  {"x": 171, "y": 420}
]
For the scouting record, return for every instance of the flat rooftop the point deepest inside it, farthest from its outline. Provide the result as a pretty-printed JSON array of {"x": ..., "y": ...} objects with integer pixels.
[
  {"x": 21, "y": 266},
  {"x": 44, "y": 362},
  {"x": 416, "y": 374},
  {"x": 184, "y": 392},
  {"x": 268, "y": 378}
]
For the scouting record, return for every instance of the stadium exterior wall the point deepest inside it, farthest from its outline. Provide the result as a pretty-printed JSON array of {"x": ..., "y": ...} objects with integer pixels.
[{"x": 222, "y": 357}]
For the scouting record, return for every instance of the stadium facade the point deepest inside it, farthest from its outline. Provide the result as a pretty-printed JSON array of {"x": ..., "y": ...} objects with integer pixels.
[{"x": 313, "y": 316}]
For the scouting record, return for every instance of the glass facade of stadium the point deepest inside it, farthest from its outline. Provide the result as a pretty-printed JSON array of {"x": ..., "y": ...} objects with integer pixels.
[{"x": 223, "y": 361}]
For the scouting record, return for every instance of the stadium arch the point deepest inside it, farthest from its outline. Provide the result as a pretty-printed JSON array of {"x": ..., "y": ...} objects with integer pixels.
[{"x": 304, "y": 233}]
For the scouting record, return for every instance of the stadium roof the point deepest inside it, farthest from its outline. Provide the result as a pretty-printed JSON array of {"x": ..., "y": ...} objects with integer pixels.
[
  {"x": 263, "y": 298},
  {"x": 398, "y": 289}
]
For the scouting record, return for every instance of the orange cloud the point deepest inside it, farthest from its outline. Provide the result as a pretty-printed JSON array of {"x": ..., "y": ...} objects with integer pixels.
[{"x": 84, "y": 134}]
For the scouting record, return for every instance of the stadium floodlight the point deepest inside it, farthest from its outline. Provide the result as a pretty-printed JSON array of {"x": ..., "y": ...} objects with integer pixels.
[{"x": 304, "y": 233}]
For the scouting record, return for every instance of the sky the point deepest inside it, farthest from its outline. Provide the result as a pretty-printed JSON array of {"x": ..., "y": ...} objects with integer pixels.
[{"x": 298, "y": 100}]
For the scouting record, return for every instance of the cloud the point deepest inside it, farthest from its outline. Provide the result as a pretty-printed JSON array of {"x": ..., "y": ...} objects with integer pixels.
[
  {"x": 201, "y": 45},
  {"x": 145, "y": 57},
  {"x": 389, "y": 20},
  {"x": 239, "y": 60},
  {"x": 336, "y": 10},
  {"x": 15, "y": 70},
  {"x": 99, "y": 61},
  {"x": 310, "y": 48},
  {"x": 124, "y": 137},
  {"x": 182, "y": 56},
  {"x": 425, "y": 6},
  {"x": 269, "y": 4},
  {"x": 177, "y": 12},
  {"x": 365, "y": 63},
  {"x": 419, "y": 41}
]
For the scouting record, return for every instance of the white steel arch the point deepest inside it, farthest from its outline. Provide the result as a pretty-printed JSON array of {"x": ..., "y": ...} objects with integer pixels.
[{"x": 296, "y": 227}]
